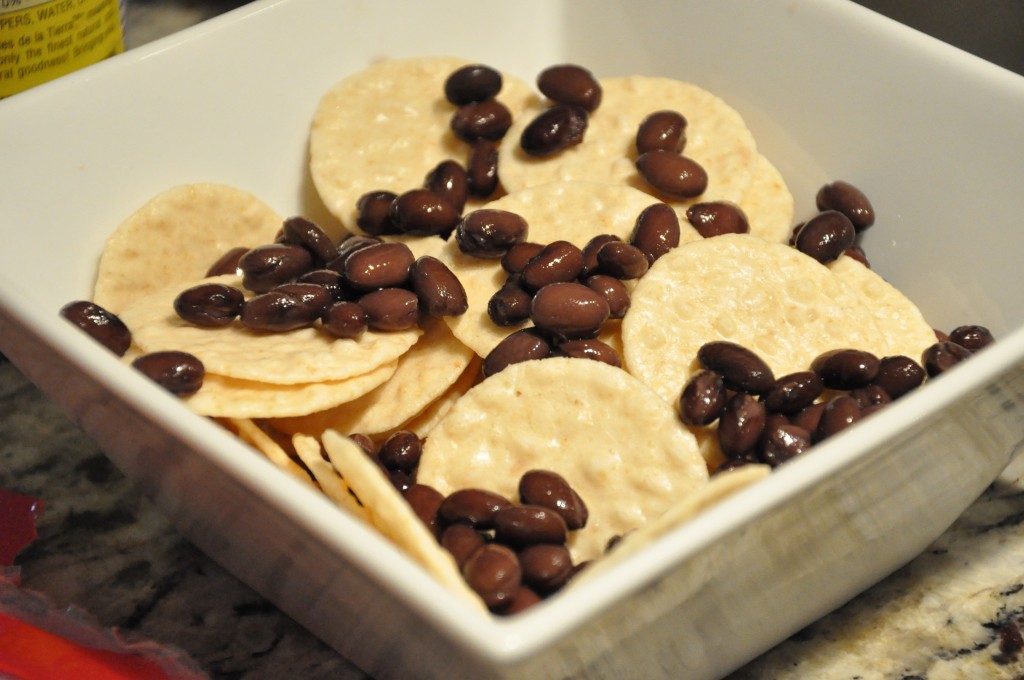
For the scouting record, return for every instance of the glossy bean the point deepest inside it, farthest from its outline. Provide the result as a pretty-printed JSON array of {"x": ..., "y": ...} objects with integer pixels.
[
  {"x": 519, "y": 526},
  {"x": 782, "y": 441},
  {"x": 489, "y": 233},
  {"x": 793, "y": 392},
  {"x": 482, "y": 169},
  {"x": 227, "y": 263},
  {"x": 494, "y": 573},
  {"x": 475, "y": 507},
  {"x": 523, "y": 345},
  {"x": 740, "y": 368},
  {"x": 741, "y": 424},
  {"x": 972, "y": 337},
  {"x": 516, "y": 258},
  {"x": 300, "y": 231},
  {"x": 622, "y": 260},
  {"x": 421, "y": 212},
  {"x": 438, "y": 288},
  {"x": 557, "y": 262},
  {"x": 390, "y": 309},
  {"x": 425, "y": 502},
  {"x": 472, "y": 83},
  {"x": 556, "y": 129},
  {"x": 590, "y": 250},
  {"x": 449, "y": 181},
  {"x": 656, "y": 231},
  {"x": 673, "y": 174},
  {"x": 849, "y": 200},
  {"x": 714, "y": 218},
  {"x": 278, "y": 311},
  {"x": 846, "y": 369},
  {"x": 100, "y": 324},
  {"x": 661, "y": 130},
  {"x": 268, "y": 266},
  {"x": 546, "y": 567},
  {"x": 837, "y": 415},
  {"x": 942, "y": 356},
  {"x": 382, "y": 265},
  {"x": 179, "y": 373},
  {"x": 344, "y": 319},
  {"x": 401, "y": 451},
  {"x": 551, "y": 490},
  {"x": 703, "y": 398},
  {"x": 462, "y": 540},
  {"x": 613, "y": 291},
  {"x": 373, "y": 213},
  {"x": 899, "y": 374},
  {"x": 825, "y": 236},
  {"x": 509, "y": 305},
  {"x": 589, "y": 348},
  {"x": 209, "y": 304},
  {"x": 330, "y": 280},
  {"x": 489, "y": 119},
  {"x": 570, "y": 84},
  {"x": 569, "y": 310}
]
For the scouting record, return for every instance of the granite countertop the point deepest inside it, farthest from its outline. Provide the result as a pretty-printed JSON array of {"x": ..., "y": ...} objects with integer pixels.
[{"x": 954, "y": 612}]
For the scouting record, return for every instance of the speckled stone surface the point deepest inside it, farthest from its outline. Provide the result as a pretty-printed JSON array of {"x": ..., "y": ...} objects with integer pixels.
[{"x": 955, "y": 612}]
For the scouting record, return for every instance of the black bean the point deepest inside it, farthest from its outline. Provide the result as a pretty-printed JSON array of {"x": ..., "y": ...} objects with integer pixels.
[
  {"x": 493, "y": 572},
  {"x": 557, "y": 262},
  {"x": 382, "y": 265},
  {"x": 942, "y": 356},
  {"x": 510, "y": 304},
  {"x": 366, "y": 444},
  {"x": 556, "y": 129},
  {"x": 448, "y": 180},
  {"x": 808, "y": 418},
  {"x": 741, "y": 424},
  {"x": 278, "y": 311},
  {"x": 179, "y": 373},
  {"x": 344, "y": 319},
  {"x": 546, "y": 567},
  {"x": 551, "y": 490},
  {"x": 825, "y": 236},
  {"x": 870, "y": 396},
  {"x": 524, "y": 599},
  {"x": 515, "y": 258},
  {"x": 740, "y": 368},
  {"x": 347, "y": 247},
  {"x": 472, "y": 83},
  {"x": 488, "y": 233},
  {"x": 794, "y": 392},
  {"x": 425, "y": 502},
  {"x": 390, "y": 309},
  {"x": 849, "y": 200},
  {"x": 228, "y": 262},
  {"x": 440, "y": 292},
  {"x": 312, "y": 297},
  {"x": 523, "y": 345},
  {"x": 209, "y": 304},
  {"x": 622, "y": 260},
  {"x": 300, "y": 231},
  {"x": 462, "y": 540},
  {"x": 475, "y": 507},
  {"x": 656, "y": 231},
  {"x": 664, "y": 130},
  {"x": 569, "y": 310},
  {"x": 673, "y": 174},
  {"x": 613, "y": 290},
  {"x": 972, "y": 337},
  {"x": 373, "y": 213},
  {"x": 898, "y": 375},
  {"x": 714, "y": 218},
  {"x": 101, "y": 325},
  {"x": 482, "y": 169},
  {"x": 837, "y": 414},
  {"x": 590, "y": 250},
  {"x": 782, "y": 441},
  {"x": 519, "y": 526},
  {"x": 421, "y": 212},
  {"x": 570, "y": 84},
  {"x": 703, "y": 398},
  {"x": 589, "y": 348},
  {"x": 268, "y": 266},
  {"x": 846, "y": 369},
  {"x": 489, "y": 119},
  {"x": 401, "y": 451},
  {"x": 329, "y": 279},
  {"x": 857, "y": 252}
]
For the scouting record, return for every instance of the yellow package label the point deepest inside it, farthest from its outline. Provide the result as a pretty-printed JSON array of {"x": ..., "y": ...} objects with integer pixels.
[{"x": 43, "y": 39}]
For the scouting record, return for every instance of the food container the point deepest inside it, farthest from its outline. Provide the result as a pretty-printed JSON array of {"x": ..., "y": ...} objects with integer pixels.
[{"x": 831, "y": 91}]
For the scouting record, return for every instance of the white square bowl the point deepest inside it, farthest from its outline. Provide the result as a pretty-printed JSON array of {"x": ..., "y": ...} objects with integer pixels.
[{"x": 831, "y": 91}]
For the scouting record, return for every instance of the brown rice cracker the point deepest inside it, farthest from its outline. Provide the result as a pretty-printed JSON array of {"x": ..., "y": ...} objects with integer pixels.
[
  {"x": 768, "y": 297},
  {"x": 386, "y": 127},
  {"x": 331, "y": 483},
  {"x": 566, "y": 211},
  {"x": 719, "y": 487},
  {"x": 618, "y": 445},
  {"x": 391, "y": 515},
  {"x": 897, "y": 317},
  {"x": 716, "y": 137},
  {"x": 424, "y": 373},
  {"x": 305, "y": 355},
  {"x": 175, "y": 237},
  {"x": 235, "y": 398},
  {"x": 251, "y": 433},
  {"x": 768, "y": 203}
]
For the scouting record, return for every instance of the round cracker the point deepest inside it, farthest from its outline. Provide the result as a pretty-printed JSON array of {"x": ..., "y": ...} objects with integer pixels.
[
  {"x": 767, "y": 297},
  {"x": 719, "y": 487},
  {"x": 898, "y": 318},
  {"x": 560, "y": 211},
  {"x": 386, "y": 127},
  {"x": 618, "y": 445},
  {"x": 175, "y": 238},
  {"x": 716, "y": 137},
  {"x": 424, "y": 373},
  {"x": 233, "y": 398},
  {"x": 251, "y": 433},
  {"x": 768, "y": 203},
  {"x": 306, "y": 355}
]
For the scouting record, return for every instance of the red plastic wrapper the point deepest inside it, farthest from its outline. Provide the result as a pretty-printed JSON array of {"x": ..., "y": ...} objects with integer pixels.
[{"x": 39, "y": 641}]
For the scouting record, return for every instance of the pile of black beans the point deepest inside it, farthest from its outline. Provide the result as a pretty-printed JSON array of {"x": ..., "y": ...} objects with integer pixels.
[
  {"x": 303, "y": 279},
  {"x": 513, "y": 554}
]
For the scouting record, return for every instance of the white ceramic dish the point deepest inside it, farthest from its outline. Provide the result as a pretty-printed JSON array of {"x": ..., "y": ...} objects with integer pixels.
[{"x": 831, "y": 91}]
